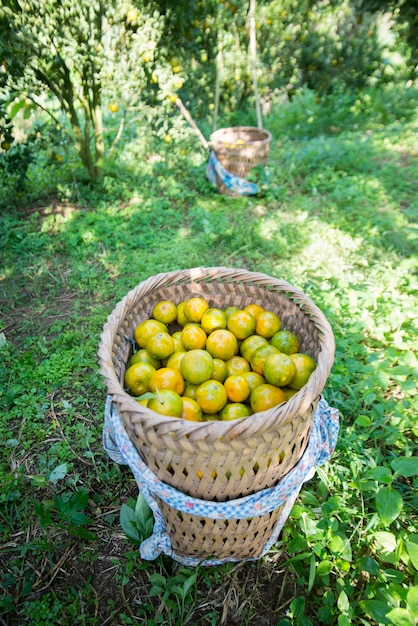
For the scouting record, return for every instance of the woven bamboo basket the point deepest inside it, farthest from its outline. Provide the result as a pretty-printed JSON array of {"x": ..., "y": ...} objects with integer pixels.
[
  {"x": 239, "y": 149},
  {"x": 218, "y": 460}
]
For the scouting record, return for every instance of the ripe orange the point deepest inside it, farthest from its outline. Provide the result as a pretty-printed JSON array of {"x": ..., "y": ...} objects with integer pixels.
[
  {"x": 250, "y": 344},
  {"x": 165, "y": 311},
  {"x": 265, "y": 397},
  {"x": 241, "y": 324},
  {"x": 285, "y": 341},
  {"x": 305, "y": 365},
  {"x": 267, "y": 324},
  {"x": 137, "y": 378},
  {"x": 196, "y": 366},
  {"x": 219, "y": 370},
  {"x": 260, "y": 356},
  {"x": 142, "y": 356},
  {"x": 160, "y": 346},
  {"x": 229, "y": 310},
  {"x": 194, "y": 309},
  {"x": 191, "y": 410},
  {"x": 254, "y": 309},
  {"x": 211, "y": 396},
  {"x": 236, "y": 365},
  {"x": 279, "y": 369},
  {"x": 212, "y": 319},
  {"x": 175, "y": 360},
  {"x": 181, "y": 318},
  {"x": 193, "y": 337},
  {"x": 289, "y": 392},
  {"x": 167, "y": 378},
  {"x": 233, "y": 411},
  {"x": 146, "y": 329},
  {"x": 190, "y": 390},
  {"x": 237, "y": 388},
  {"x": 254, "y": 379},
  {"x": 166, "y": 402},
  {"x": 222, "y": 344}
]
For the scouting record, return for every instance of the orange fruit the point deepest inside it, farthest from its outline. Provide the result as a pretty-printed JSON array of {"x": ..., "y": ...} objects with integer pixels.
[
  {"x": 194, "y": 309},
  {"x": 190, "y": 390},
  {"x": 265, "y": 397},
  {"x": 165, "y": 311},
  {"x": 167, "y": 378},
  {"x": 137, "y": 378},
  {"x": 166, "y": 402},
  {"x": 233, "y": 411},
  {"x": 219, "y": 370},
  {"x": 175, "y": 360},
  {"x": 236, "y": 365},
  {"x": 267, "y": 324},
  {"x": 229, "y": 310},
  {"x": 222, "y": 344},
  {"x": 285, "y": 341},
  {"x": 178, "y": 346},
  {"x": 160, "y": 346},
  {"x": 212, "y": 319},
  {"x": 211, "y": 396},
  {"x": 279, "y": 369},
  {"x": 254, "y": 379},
  {"x": 193, "y": 337},
  {"x": 289, "y": 392},
  {"x": 196, "y": 366},
  {"x": 191, "y": 410},
  {"x": 237, "y": 388},
  {"x": 146, "y": 329},
  {"x": 181, "y": 318},
  {"x": 249, "y": 345},
  {"x": 254, "y": 309},
  {"x": 241, "y": 324},
  {"x": 142, "y": 356},
  {"x": 305, "y": 365},
  {"x": 260, "y": 356}
]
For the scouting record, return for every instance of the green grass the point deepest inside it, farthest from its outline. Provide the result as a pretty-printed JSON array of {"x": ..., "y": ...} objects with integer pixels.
[{"x": 337, "y": 217}]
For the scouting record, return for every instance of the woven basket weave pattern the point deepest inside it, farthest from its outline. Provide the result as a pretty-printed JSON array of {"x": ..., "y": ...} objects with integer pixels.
[
  {"x": 266, "y": 445},
  {"x": 239, "y": 158}
]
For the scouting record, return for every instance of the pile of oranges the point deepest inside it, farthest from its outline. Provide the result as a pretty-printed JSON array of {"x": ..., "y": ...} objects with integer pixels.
[{"x": 222, "y": 364}]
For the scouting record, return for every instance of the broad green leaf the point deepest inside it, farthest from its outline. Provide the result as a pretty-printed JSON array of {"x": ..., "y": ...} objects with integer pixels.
[
  {"x": 158, "y": 580},
  {"x": 412, "y": 600},
  {"x": 58, "y": 473},
  {"x": 386, "y": 540},
  {"x": 389, "y": 504},
  {"x": 400, "y": 617},
  {"x": 188, "y": 583},
  {"x": 382, "y": 474},
  {"x": 339, "y": 544},
  {"x": 343, "y": 602},
  {"x": 324, "y": 568},
  {"x": 376, "y": 610},
  {"x": 297, "y": 606},
  {"x": 128, "y": 522},
  {"x": 405, "y": 466}
]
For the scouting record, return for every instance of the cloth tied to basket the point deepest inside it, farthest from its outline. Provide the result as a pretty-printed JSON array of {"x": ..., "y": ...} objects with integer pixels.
[
  {"x": 234, "y": 183},
  {"x": 119, "y": 447}
]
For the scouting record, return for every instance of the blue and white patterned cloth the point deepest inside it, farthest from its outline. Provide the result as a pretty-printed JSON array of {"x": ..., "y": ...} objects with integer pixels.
[
  {"x": 119, "y": 447},
  {"x": 232, "y": 182}
]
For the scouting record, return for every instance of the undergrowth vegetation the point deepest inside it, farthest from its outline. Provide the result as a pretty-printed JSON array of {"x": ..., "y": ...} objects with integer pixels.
[{"x": 336, "y": 216}]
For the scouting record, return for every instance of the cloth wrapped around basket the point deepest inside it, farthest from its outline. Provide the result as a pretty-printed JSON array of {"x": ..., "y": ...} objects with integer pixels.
[
  {"x": 235, "y": 184},
  {"x": 119, "y": 447}
]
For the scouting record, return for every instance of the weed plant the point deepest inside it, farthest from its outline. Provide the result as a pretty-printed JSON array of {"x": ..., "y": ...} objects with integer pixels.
[{"x": 336, "y": 216}]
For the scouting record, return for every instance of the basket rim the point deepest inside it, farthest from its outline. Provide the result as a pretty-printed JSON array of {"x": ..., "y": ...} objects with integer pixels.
[
  {"x": 248, "y": 426},
  {"x": 218, "y": 134}
]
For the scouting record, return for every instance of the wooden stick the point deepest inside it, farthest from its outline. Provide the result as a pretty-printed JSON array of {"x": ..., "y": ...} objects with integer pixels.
[
  {"x": 253, "y": 61},
  {"x": 192, "y": 123}
]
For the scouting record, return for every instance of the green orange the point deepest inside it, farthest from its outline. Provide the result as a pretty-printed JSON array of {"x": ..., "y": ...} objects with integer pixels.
[{"x": 196, "y": 366}]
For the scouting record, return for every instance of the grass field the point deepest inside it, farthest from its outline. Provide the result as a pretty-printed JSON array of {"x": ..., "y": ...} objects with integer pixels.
[{"x": 336, "y": 216}]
